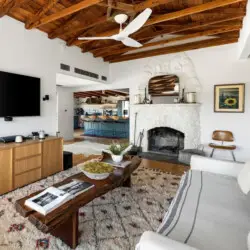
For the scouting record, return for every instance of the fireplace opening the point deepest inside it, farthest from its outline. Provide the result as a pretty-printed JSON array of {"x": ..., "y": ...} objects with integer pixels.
[{"x": 165, "y": 140}]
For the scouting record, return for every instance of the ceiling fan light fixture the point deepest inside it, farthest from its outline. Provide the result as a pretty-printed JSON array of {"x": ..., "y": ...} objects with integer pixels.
[{"x": 121, "y": 18}]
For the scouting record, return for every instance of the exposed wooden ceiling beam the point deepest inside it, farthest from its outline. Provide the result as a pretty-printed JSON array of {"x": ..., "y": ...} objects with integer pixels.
[
  {"x": 115, "y": 92},
  {"x": 66, "y": 26},
  {"x": 119, "y": 6},
  {"x": 44, "y": 9},
  {"x": 80, "y": 96},
  {"x": 175, "y": 49},
  {"x": 182, "y": 28},
  {"x": 176, "y": 39},
  {"x": 149, "y": 4},
  {"x": 109, "y": 10},
  {"x": 10, "y": 5},
  {"x": 190, "y": 11},
  {"x": 65, "y": 12},
  {"x": 215, "y": 25},
  {"x": 171, "y": 16},
  {"x": 98, "y": 93},
  {"x": 90, "y": 95},
  {"x": 82, "y": 28}
]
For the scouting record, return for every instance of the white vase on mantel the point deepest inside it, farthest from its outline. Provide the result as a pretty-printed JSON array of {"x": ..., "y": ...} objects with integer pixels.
[{"x": 117, "y": 158}]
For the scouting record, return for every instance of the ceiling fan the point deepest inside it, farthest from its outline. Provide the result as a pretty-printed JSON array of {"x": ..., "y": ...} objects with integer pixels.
[{"x": 124, "y": 34}]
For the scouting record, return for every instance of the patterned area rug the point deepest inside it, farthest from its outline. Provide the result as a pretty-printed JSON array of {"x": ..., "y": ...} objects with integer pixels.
[{"x": 113, "y": 221}]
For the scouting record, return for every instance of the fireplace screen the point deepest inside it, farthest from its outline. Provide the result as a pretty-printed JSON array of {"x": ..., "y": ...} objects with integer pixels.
[{"x": 165, "y": 140}]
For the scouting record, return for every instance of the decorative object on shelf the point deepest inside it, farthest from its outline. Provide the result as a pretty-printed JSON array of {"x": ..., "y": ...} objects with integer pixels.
[
  {"x": 94, "y": 100},
  {"x": 191, "y": 97},
  {"x": 46, "y": 98},
  {"x": 182, "y": 99},
  {"x": 164, "y": 85},
  {"x": 146, "y": 100},
  {"x": 137, "y": 99},
  {"x": 8, "y": 118},
  {"x": 229, "y": 98},
  {"x": 19, "y": 139},
  {"x": 79, "y": 111},
  {"x": 41, "y": 135},
  {"x": 176, "y": 100}
]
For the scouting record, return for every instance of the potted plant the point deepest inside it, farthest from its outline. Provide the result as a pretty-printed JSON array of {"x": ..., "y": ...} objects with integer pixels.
[{"x": 117, "y": 151}]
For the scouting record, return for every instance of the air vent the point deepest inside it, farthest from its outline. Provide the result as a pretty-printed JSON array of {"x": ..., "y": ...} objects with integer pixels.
[
  {"x": 104, "y": 78},
  {"x": 86, "y": 73},
  {"x": 65, "y": 67}
]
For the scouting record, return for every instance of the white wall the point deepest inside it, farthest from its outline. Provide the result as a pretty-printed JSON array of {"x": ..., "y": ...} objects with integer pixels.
[
  {"x": 217, "y": 65},
  {"x": 30, "y": 52},
  {"x": 65, "y": 112}
]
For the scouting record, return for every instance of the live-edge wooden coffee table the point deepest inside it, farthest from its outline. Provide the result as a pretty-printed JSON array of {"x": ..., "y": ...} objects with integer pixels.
[{"x": 63, "y": 221}]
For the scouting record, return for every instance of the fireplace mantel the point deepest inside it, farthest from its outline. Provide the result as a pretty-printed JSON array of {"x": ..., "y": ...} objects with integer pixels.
[{"x": 183, "y": 117}]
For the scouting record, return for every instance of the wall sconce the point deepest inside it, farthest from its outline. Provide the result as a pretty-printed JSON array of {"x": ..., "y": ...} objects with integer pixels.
[{"x": 46, "y": 98}]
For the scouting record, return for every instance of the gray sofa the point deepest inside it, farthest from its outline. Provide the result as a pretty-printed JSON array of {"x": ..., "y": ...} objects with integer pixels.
[{"x": 209, "y": 211}]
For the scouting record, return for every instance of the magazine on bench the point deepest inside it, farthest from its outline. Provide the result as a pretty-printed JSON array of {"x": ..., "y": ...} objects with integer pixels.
[{"x": 53, "y": 197}]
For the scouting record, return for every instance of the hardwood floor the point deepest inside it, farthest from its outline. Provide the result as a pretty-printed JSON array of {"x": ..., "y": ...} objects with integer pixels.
[{"x": 176, "y": 169}]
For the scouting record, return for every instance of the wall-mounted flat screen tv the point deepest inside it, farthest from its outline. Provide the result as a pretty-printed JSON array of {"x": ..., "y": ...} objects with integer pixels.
[{"x": 19, "y": 95}]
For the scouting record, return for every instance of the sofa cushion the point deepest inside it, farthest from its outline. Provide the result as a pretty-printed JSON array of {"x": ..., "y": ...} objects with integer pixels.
[
  {"x": 208, "y": 212},
  {"x": 244, "y": 178}
]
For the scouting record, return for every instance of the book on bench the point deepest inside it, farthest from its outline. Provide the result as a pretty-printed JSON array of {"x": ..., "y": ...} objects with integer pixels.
[{"x": 53, "y": 197}]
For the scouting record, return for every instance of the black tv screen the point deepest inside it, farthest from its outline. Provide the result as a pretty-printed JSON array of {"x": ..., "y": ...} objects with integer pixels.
[{"x": 19, "y": 95}]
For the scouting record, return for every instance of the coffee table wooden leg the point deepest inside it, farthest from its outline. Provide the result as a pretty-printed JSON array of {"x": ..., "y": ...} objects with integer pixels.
[
  {"x": 68, "y": 231},
  {"x": 127, "y": 183}
]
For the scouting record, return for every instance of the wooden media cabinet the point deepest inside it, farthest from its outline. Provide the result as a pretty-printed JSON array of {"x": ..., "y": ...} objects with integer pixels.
[{"x": 29, "y": 161}]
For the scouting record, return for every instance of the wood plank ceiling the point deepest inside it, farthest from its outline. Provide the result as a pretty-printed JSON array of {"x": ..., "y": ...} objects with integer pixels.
[
  {"x": 192, "y": 24},
  {"x": 100, "y": 93}
]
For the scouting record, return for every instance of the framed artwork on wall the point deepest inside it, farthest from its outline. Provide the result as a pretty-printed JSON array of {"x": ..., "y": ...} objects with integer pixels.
[{"x": 229, "y": 98}]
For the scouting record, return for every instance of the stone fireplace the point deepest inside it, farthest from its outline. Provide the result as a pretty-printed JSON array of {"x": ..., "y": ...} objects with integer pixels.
[
  {"x": 179, "y": 124},
  {"x": 165, "y": 140}
]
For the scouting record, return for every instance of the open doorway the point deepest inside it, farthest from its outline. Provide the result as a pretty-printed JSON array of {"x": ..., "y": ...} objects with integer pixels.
[{"x": 102, "y": 116}]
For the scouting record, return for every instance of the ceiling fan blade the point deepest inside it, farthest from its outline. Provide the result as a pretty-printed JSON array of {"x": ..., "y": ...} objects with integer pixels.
[
  {"x": 131, "y": 42},
  {"x": 94, "y": 38},
  {"x": 137, "y": 23}
]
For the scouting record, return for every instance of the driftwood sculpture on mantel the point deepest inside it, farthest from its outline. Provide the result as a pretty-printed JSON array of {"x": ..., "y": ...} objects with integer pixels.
[{"x": 163, "y": 85}]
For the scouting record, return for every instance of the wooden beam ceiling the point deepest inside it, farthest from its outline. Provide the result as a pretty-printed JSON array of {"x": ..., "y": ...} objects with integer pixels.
[
  {"x": 6, "y": 8},
  {"x": 171, "y": 16},
  {"x": 116, "y": 92},
  {"x": 125, "y": 7},
  {"x": 118, "y": 6},
  {"x": 176, "y": 39},
  {"x": 173, "y": 49},
  {"x": 66, "y": 26},
  {"x": 65, "y": 12},
  {"x": 80, "y": 30},
  {"x": 100, "y": 93},
  {"x": 187, "y": 27},
  {"x": 41, "y": 13},
  {"x": 187, "y": 19},
  {"x": 149, "y": 4}
]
